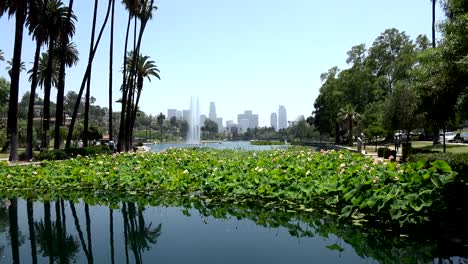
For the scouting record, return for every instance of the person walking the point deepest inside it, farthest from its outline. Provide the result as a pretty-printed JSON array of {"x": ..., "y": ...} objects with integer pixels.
[
  {"x": 359, "y": 144},
  {"x": 397, "y": 142}
]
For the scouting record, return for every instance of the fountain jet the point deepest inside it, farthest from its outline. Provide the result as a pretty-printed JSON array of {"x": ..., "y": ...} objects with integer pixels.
[{"x": 193, "y": 134}]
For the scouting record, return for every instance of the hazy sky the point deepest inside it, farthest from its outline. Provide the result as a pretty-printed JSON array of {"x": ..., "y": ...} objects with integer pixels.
[{"x": 245, "y": 54}]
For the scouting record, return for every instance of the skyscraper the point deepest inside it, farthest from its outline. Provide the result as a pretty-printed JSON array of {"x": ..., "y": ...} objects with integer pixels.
[
  {"x": 247, "y": 120},
  {"x": 282, "y": 117},
  {"x": 274, "y": 121},
  {"x": 212, "y": 114},
  {"x": 171, "y": 113}
]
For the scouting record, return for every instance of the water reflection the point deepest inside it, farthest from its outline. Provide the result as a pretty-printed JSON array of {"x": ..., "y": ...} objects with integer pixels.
[{"x": 179, "y": 230}]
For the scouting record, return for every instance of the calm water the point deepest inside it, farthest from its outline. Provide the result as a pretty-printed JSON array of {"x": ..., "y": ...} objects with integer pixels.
[
  {"x": 217, "y": 145},
  {"x": 64, "y": 232}
]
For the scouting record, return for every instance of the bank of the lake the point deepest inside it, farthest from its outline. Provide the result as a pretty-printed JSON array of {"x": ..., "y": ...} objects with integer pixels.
[{"x": 342, "y": 183}]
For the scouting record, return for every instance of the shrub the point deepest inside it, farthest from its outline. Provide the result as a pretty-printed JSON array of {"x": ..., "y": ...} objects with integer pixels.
[
  {"x": 457, "y": 161},
  {"x": 53, "y": 154},
  {"x": 381, "y": 152},
  {"x": 60, "y": 154}
]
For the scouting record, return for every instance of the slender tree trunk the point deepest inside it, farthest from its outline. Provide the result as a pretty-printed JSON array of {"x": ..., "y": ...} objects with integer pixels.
[
  {"x": 122, "y": 137},
  {"x": 48, "y": 230},
  {"x": 61, "y": 84},
  {"x": 88, "y": 84},
  {"x": 78, "y": 229},
  {"x": 61, "y": 233},
  {"x": 85, "y": 78},
  {"x": 88, "y": 231},
  {"x": 125, "y": 223},
  {"x": 433, "y": 23},
  {"x": 32, "y": 98},
  {"x": 111, "y": 54},
  {"x": 32, "y": 234},
  {"x": 14, "y": 232},
  {"x": 47, "y": 89},
  {"x": 131, "y": 90},
  {"x": 111, "y": 230},
  {"x": 12, "y": 123}
]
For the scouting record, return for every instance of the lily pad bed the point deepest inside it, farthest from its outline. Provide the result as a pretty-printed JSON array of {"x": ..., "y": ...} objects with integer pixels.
[{"x": 341, "y": 183}]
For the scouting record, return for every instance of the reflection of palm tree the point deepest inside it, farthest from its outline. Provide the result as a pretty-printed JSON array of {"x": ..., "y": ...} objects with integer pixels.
[
  {"x": 14, "y": 232},
  {"x": 80, "y": 233},
  {"x": 140, "y": 236},
  {"x": 53, "y": 240},
  {"x": 32, "y": 234}
]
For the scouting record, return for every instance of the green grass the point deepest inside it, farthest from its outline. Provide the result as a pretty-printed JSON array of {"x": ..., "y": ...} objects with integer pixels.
[{"x": 450, "y": 147}]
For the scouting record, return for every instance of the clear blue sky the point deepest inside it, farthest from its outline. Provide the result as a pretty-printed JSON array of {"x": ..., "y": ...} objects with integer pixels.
[{"x": 245, "y": 54}]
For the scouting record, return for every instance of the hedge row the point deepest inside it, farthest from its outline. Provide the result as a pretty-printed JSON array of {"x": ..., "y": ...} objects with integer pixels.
[{"x": 62, "y": 154}]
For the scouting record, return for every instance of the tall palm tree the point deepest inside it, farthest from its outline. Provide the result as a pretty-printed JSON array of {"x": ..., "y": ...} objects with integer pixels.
[
  {"x": 32, "y": 233},
  {"x": 145, "y": 69},
  {"x": 132, "y": 8},
  {"x": 348, "y": 114},
  {"x": 56, "y": 15},
  {"x": 64, "y": 61},
  {"x": 88, "y": 84},
  {"x": 433, "y": 23},
  {"x": 36, "y": 23},
  {"x": 111, "y": 55},
  {"x": 19, "y": 9},
  {"x": 85, "y": 78}
]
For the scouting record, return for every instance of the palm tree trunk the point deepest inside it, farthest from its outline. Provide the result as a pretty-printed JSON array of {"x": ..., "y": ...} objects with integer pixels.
[
  {"x": 61, "y": 84},
  {"x": 78, "y": 229},
  {"x": 88, "y": 84},
  {"x": 350, "y": 132},
  {"x": 12, "y": 123},
  {"x": 32, "y": 234},
  {"x": 14, "y": 232},
  {"x": 61, "y": 234},
  {"x": 88, "y": 231},
  {"x": 125, "y": 222},
  {"x": 85, "y": 78},
  {"x": 111, "y": 230},
  {"x": 122, "y": 137},
  {"x": 111, "y": 54},
  {"x": 131, "y": 90},
  {"x": 32, "y": 97},
  {"x": 433, "y": 23},
  {"x": 47, "y": 88}
]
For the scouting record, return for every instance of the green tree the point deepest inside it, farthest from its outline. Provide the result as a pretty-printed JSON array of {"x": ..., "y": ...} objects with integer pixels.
[
  {"x": 19, "y": 9},
  {"x": 160, "y": 119},
  {"x": 349, "y": 115}
]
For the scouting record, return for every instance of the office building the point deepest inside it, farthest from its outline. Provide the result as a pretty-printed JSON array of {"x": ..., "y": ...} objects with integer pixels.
[
  {"x": 274, "y": 121},
  {"x": 282, "y": 118},
  {"x": 202, "y": 120},
  {"x": 247, "y": 120},
  {"x": 212, "y": 114},
  {"x": 171, "y": 113}
]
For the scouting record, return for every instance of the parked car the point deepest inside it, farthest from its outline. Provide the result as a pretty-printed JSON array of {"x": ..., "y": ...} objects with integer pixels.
[
  {"x": 461, "y": 138},
  {"x": 449, "y": 137}
]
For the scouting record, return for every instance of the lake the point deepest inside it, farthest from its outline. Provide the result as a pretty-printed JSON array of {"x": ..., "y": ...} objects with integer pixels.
[
  {"x": 186, "y": 230},
  {"x": 245, "y": 145}
]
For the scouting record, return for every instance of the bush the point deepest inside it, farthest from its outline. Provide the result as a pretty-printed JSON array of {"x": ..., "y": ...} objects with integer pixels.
[
  {"x": 53, "y": 154},
  {"x": 458, "y": 161},
  {"x": 60, "y": 154},
  {"x": 381, "y": 152}
]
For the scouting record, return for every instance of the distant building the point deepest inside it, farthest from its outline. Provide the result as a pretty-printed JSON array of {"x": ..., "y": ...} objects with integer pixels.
[
  {"x": 219, "y": 121},
  {"x": 274, "y": 121},
  {"x": 282, "y": 118},
  {"x": 212, "y": 114},
  {"x": 301, "y": 118},
  {"x": 171, "y": 113},
  {"x": 179, "y": 115},
  {"x": 247, "y": 120},
  {"x": 186, "y": 115}
]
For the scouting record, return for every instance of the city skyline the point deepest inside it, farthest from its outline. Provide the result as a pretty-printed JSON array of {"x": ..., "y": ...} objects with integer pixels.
[{"x": 263, "y": 56}]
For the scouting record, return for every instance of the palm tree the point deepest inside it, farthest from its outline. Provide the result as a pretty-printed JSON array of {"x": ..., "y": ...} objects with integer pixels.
[
  {"x": 32, "y": 234},
  {"x": 160, "y": 119},
  {"x": 111, "y": 55},
  {"x": 85, "y": 78},
  {"x": 433, "y": 23},
  {"x": 57, "y": 27},
  {"x": 88, "y": 84},
  {"x": 37, "y": 27},
  {"x": 2, "y": 57},
  {"x": 145, "y": 69},
  {"x": 19, "y": 9},
  {"x": 10, "y": 66},
  {"x": 132, "y": 8},
  {"x": 348, "y": 114},
  {"x": 65, "y": 59}
]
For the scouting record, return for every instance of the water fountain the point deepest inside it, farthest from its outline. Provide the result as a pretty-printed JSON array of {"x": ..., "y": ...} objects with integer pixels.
[{"x": 193, "y": 134}]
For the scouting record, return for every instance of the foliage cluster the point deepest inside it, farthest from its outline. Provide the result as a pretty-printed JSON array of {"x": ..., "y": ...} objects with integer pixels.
[
  {"x": 457, "y": 161},
  {"x": 266, "y": 142},
  {"x": 345, "y": 183},
  {"x": 62, "y": 154}
]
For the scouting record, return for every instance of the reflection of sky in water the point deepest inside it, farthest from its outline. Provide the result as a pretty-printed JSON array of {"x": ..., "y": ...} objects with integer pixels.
[
  {"x": 245, "y": 145},
  {"x": 185, "y": 239}
]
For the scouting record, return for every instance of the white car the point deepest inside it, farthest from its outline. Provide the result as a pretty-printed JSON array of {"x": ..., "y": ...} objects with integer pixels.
[{"x": 449, "y": 136}]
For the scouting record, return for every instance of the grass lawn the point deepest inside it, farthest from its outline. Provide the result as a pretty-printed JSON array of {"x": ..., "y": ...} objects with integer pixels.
[{"x": 451, "y": 147}]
